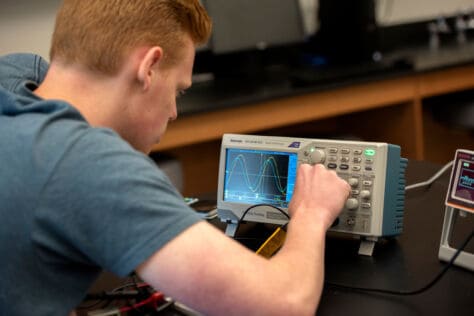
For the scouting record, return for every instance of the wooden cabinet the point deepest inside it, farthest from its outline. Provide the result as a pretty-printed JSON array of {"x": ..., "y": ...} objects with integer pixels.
[{"x": 390, "y": 110}]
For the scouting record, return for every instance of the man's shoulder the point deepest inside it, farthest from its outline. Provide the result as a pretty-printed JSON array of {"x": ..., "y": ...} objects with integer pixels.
[{"x": 16, "y": 68}]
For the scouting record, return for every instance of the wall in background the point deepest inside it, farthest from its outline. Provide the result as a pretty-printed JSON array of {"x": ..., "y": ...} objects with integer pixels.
[
  {"x": 393, "y": 12},
  {"x": 26, "y": 25}
]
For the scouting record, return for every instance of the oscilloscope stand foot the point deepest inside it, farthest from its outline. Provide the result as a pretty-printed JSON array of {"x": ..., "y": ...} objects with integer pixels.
[
  {"x": 446, "y": 250},
  {"x": 231, "y": 229},
  {"x": 366, "y": 247}
]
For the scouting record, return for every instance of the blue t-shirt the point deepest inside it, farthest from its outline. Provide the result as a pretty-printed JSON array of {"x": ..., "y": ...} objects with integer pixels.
[{"x": 73, "y": 199}]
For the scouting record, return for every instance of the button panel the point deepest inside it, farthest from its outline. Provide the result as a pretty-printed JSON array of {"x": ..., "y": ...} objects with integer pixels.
[{"x": 356, "y": 165}]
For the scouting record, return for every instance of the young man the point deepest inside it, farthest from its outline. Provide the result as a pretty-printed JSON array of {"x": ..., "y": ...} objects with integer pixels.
[{"x": 80, "y": 195}]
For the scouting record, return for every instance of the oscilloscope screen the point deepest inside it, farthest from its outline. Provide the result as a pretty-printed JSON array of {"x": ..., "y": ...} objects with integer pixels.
[
  {"x": 258, "y": 176},
  {"x": 463, "y": 185}
]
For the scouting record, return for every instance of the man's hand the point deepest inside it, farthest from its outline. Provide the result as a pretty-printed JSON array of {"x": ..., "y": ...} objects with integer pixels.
[{"x": 319, "y": 191}]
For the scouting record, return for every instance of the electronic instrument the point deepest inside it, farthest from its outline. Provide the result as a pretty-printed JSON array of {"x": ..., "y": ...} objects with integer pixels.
[
  {"x": 459, "y": 202},
  {"x": 262, "y": 170}
]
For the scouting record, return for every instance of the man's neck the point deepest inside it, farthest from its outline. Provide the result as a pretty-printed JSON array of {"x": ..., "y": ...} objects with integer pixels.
[{"x": 96, "y": 97}]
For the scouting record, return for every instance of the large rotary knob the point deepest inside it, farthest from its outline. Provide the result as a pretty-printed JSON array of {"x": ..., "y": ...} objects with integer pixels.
[{"x": 317, "y": 156}]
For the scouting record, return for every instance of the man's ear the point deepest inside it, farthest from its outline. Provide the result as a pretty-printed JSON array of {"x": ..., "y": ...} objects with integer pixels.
[{"x": 148, "y": 65}]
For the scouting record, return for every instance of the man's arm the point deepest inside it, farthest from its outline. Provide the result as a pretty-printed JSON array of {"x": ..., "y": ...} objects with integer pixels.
[{"x": 216, "y": 275}]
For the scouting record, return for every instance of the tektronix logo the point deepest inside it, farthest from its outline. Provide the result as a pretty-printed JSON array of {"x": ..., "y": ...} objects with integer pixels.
[{"x": 295, "y": 145}]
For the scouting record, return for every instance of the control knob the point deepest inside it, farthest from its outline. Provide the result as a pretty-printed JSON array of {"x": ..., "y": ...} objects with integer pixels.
[
  {"x": 317, "y": 156},
  {"x": 353, "y": 182},
  {"x": 352, "y": 204},
  {"x": 365, "y": 194}
]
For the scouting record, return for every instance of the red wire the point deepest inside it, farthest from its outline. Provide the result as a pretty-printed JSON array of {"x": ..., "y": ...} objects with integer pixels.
[{"x": 153, "y": 300}]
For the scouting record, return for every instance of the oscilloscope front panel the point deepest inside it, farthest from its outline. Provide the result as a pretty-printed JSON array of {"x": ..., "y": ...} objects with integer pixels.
[{"x": 262, "y": 170}]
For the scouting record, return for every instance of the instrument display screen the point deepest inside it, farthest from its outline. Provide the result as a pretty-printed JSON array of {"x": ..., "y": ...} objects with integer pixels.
[{"x": 461, "y": 186}]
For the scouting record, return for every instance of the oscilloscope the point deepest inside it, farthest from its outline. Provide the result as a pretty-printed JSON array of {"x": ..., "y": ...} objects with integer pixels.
[
  {"x": 262, "y": 170},
  {"x": 459, "y": 201}
]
